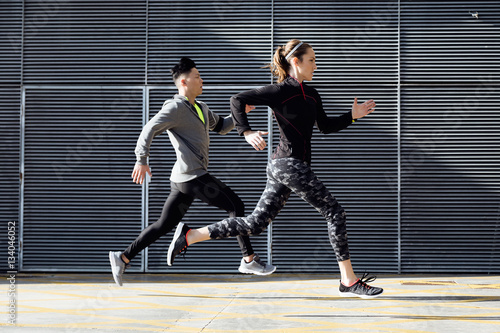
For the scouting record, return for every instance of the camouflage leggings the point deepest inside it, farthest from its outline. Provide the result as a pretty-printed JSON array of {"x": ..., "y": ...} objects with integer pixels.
[{"x": 285, "y": 175}]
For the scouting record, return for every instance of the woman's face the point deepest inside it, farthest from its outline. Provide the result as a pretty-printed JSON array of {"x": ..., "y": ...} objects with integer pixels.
[{"x": 306, "y": 67}]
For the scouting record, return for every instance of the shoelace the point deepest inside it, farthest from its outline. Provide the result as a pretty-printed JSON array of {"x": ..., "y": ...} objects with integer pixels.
[
  {"x": 258, "y": 261},
  {"x": 182, "y": 252},
  {"x": 184, "y": 249},
  {"x": 365, "y": 279},
  {"x": 125, "y": 268}
]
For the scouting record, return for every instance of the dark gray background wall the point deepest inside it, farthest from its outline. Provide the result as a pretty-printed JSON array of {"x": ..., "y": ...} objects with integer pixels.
[{"x": 418, "y": 177}]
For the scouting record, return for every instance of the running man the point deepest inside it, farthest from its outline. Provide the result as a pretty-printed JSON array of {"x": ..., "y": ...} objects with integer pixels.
[{"x": 187, "y": 122}]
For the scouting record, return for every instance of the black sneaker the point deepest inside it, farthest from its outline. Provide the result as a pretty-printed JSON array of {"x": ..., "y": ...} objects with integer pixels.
[
  {"x": 361, "y": 289},
  {"x": 179, "y": 243}
]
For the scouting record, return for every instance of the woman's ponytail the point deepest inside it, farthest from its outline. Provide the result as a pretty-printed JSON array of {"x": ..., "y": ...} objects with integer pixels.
[{"x": 280, "y": 67}]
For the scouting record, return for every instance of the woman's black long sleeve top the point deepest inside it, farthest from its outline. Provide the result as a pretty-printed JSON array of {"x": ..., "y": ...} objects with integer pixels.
[{"x": 297, "y": 108}]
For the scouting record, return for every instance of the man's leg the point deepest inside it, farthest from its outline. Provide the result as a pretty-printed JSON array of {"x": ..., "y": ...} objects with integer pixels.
[
  {"x": 212, "y": 191},
  {"x": 174, "y": 209}
]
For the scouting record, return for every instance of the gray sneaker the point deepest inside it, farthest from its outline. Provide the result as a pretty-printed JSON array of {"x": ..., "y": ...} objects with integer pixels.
[
  {"x": 256, "y": 266},
  {"x": 117, "y": 266}
]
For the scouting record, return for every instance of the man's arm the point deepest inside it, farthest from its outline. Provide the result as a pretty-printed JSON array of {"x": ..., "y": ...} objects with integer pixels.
[
  {"x": 161, "y": 122},
  {"x": 221, "y": 125}
]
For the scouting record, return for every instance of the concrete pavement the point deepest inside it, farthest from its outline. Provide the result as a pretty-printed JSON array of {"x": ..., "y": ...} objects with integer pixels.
[{"x": 243, "y": 303}]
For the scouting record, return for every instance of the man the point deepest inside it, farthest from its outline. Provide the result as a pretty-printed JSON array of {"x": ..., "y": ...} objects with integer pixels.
[{"x": 187, "y": 122}]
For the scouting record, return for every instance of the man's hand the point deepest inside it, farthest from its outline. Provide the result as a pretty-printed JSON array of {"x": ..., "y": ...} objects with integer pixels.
[
  {"x": 139, "y": 173},
  {"x": 255, "y": 139},
  {"x": 249, "y": 108},
  {"x": 361, "y": 110}
]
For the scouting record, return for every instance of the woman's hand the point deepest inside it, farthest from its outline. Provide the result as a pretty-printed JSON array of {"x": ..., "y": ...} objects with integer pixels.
[
  {"x": 255, "y": 139},
  {"x": 361, "y": 110}
]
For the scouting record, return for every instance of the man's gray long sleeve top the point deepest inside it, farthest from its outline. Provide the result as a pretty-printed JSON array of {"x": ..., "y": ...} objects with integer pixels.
[{"x": 188, "y": 134}]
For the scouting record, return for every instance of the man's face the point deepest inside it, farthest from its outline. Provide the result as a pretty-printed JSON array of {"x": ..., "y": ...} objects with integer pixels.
[{"x": 193, "y": 82}]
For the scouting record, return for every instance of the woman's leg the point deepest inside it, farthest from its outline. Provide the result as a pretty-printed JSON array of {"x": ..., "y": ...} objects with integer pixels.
[
  {"x": 299, "y": 177},
  {"x": 271, "y": 202}
]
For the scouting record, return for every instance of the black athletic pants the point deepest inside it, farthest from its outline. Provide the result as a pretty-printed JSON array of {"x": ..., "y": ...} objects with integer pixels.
[
  {"x": 285, "y": 175},
  {"x": 206, "y": 188}
]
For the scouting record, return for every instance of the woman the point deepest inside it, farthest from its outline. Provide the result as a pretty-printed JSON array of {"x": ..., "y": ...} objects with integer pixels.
[{"x": 297, "y": 108}]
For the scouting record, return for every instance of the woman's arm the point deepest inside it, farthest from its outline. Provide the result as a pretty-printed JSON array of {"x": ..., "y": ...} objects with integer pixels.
[
  {"x": 262, "y": 96},
  {"x": 334, "y": 124}
]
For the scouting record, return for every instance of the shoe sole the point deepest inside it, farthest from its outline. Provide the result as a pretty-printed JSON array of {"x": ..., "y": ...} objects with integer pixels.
[
  {"x": 360, "y": 296},
  {"x": 256, "y": 273},
  {"x": 174, "y": 240},
  {"x": 112, "y": 261}
]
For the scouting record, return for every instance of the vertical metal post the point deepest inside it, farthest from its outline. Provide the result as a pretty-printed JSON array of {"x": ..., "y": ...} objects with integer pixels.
[
  {"x": 399, "y": 135},
  {"x": 270, "y": 142},
  {"x": 145, "y": 186},
  {"x": 145, "y": 110},
  {"x": 20, "y": 228},
  {"x": 21, "y": 150}
]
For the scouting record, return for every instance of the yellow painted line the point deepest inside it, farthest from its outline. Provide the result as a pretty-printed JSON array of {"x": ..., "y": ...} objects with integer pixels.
[
  {"x": 427, "y": 282},
  {"x": 484, "y": 286}
]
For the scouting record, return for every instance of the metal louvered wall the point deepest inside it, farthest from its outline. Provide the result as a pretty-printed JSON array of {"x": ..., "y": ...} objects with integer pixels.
[
  {"x": 84, "y": 69},
  {"x": 78, "y": 198},
  {"x": 450, "y": 97},
  {"x": 418, "y": 178}
]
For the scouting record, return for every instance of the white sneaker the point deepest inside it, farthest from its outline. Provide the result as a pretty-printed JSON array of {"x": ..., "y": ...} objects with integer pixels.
[
  {"x": 256, "y": 266},
  {"x": 117, "y": 266}
]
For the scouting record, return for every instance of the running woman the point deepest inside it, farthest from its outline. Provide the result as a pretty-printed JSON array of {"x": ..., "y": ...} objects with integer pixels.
[
  {"x": 187, "y": 121},
  {"x": 297, "y": 108}
]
